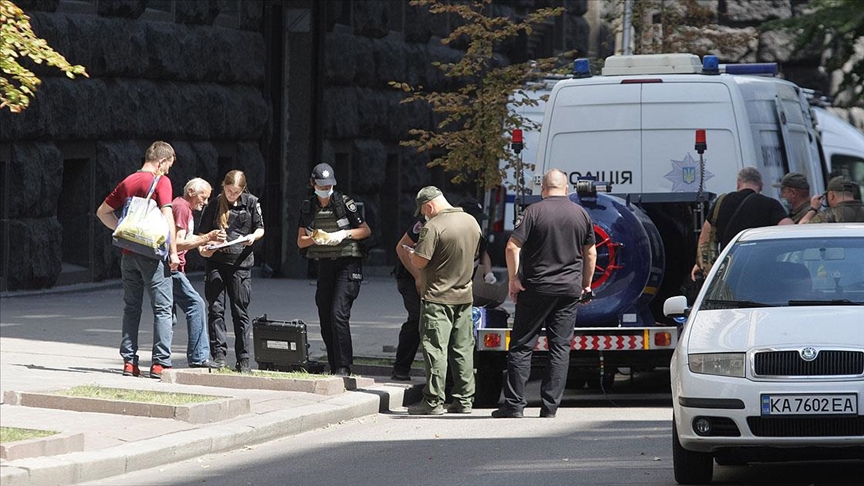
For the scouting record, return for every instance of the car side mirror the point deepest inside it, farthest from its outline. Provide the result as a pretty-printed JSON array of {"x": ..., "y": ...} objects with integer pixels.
[{"x": 676, "y": 307}]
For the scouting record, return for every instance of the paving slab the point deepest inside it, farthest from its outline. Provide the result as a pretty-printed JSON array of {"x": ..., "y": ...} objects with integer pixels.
[{"x": 57, "y": 341}]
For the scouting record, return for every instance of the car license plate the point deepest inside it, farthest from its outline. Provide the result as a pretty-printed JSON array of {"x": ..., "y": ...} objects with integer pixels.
[{"x": 834, "y": 404}]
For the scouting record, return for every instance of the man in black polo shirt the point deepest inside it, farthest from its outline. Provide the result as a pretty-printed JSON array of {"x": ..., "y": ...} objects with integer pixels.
[
  {"x": 744, "y": 209},
  {"x": 550, "y": 262}
]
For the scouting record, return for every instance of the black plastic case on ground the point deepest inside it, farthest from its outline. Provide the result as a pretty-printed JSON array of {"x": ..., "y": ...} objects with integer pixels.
[{"x": 280, "y": 345}]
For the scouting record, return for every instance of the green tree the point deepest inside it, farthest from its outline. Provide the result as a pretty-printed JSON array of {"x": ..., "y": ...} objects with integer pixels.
[
  {"x": 476, "y": 121},
  {"x": 837, "y": 27},
  {"x": 17, "y": 83}
]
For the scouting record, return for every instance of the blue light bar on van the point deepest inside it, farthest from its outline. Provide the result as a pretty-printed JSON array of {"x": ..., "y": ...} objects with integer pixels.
[
  {"x": 581, "y": 68},
  {"x": 710, "y": 65},
  {"x": 764, "y": 68}
]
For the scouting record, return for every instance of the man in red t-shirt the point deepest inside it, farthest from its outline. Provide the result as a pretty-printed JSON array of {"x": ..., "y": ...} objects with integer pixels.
[
  {"x": 140, "y": 272},
  {"x": 196, "y": 193}
]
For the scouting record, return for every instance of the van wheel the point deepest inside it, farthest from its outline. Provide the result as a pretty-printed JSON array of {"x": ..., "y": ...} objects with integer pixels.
[{"x": 690, "y": 467}]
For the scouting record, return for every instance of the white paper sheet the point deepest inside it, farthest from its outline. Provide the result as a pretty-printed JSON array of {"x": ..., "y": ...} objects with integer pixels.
[{"x": 242, "y": 239}]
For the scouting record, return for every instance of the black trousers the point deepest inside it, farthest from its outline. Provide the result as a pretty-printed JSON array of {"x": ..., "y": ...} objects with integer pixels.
[
  {"x": 409, "y": 334},
  {"x": 223, "y": 280},
  {"x": 338, "y": 285},
  {"x": 533, "y": 312}
]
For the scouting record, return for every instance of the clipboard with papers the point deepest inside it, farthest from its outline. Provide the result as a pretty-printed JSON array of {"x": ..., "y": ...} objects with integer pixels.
[{"x": 225, "y": 244}]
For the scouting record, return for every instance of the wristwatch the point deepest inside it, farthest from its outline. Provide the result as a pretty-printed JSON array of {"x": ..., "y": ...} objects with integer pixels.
[{"x": 815, "y": 210}]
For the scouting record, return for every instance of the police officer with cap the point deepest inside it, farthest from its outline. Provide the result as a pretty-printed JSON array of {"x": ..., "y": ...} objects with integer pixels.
[
  {"x": 842, "y": 205},
  {"x": 795, "y": 190},
  {"x": 330, "y": 227}
]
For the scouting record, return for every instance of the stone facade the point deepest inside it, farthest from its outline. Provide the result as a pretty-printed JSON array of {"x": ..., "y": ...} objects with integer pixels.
[
  {"x": 271, "y": 87},
  {"x": 186, "y": 81}
]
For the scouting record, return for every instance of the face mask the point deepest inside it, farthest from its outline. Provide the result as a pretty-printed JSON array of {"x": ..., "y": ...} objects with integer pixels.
[
  {"x": 427, "y": 217},
  {"x": 785, "y": 204},
  {"x": 324, "y": 194}
]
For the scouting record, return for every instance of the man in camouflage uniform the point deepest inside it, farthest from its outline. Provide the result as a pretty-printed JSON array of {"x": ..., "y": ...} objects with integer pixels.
[{"x": 842, "y": 205}]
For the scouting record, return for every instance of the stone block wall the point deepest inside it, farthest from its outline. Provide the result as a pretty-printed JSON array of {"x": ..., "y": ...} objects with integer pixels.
[
  {"x": 192, "y": 77},
  {"x": 202, "y": 79}
]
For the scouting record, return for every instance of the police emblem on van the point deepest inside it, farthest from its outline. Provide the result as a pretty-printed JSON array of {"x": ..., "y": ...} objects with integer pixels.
[
  {"x": 688, "y": 174},
  {"x": 685, "y": 173}
]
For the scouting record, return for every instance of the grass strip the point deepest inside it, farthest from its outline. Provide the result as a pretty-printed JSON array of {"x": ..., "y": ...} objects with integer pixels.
[
  {"x": 14, "y": 434},
  {"x": 143, "y": 396},
  {"x": 286, "y": 375}
]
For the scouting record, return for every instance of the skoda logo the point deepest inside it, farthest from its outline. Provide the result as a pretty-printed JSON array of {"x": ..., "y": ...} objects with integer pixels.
[{"x": 809, "y": 354}]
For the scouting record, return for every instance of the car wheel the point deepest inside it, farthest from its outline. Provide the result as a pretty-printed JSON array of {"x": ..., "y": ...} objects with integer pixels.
[{"x": 690, "y": 467}]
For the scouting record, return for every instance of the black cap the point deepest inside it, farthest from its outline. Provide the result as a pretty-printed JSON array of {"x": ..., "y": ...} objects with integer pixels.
[{"x": 323, "y": 175}]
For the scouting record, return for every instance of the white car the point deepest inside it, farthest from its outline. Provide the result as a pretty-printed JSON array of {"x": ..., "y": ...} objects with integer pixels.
[{"x": 770, "y": 364}]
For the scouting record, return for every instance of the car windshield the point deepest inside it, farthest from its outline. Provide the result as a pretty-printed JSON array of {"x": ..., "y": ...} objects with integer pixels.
[{"x": 784, "y": 272}]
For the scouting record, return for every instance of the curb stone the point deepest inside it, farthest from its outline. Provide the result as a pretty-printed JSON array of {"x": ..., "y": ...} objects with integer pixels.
[
  {"x": 253, "y": 429},
  {"x": 322, "y": 386},
  {"x": 52, "y": 445},
  {"x": 197, "y": 413}
]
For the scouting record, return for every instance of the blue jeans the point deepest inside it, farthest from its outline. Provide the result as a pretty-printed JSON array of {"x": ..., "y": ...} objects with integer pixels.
[
  {"x": 140, "y": 272},
  {"x": 192, "y": 305}
]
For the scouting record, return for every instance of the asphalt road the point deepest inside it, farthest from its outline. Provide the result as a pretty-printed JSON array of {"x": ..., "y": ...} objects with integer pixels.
[{"x": 584, "y": 445}]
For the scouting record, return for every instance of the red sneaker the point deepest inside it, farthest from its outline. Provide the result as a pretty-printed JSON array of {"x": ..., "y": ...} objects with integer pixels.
[
  {"x": 157, "y": 369},
  {"x": 131, "y": 369}
]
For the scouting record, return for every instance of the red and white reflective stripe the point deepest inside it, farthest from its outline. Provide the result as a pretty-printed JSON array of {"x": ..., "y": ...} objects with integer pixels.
[{"x": 599, "y": 343}]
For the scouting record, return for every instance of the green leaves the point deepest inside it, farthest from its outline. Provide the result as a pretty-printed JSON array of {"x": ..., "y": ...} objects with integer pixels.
[
  {"x": 17, "y": 83},
  {"x": 474, "y": 131},
  {"x": 837, "y": 27}
]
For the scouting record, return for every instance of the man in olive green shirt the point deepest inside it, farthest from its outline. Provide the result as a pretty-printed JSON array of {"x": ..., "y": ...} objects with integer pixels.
[
  {"x": 795, "y": 190},
  {"x": 444, "y": 254}
]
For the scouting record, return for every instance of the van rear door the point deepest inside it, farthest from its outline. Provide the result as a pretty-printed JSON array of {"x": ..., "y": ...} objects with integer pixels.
[
  {"x": 671, "y": 113},
  {"x": 594, "y": 130}
]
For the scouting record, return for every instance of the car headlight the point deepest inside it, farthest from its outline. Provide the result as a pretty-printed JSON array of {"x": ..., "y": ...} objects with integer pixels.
[{"x": 723, "y": 364}]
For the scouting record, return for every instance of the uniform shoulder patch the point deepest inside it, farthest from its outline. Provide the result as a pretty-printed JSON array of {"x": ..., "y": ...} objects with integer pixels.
[
  {"x": 349, "y": 203},
  {"x": 423, "y": 232},
  {"x": 417, "y": 227},
  {"x": 518, "y": 221}
]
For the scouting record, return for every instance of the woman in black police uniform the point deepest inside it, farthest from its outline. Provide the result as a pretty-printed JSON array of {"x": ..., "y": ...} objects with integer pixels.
[
  {"x": 228, "y": 269},
  {"x": 329, "y": 229}
]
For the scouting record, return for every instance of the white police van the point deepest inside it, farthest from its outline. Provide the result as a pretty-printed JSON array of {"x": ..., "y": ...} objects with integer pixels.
[
  {"x": 842, "y": 145},
  {"x": 635, "y": 127}
]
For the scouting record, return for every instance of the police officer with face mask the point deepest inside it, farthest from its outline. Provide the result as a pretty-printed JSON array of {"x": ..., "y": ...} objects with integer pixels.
[{"x": 330, "y": 227}]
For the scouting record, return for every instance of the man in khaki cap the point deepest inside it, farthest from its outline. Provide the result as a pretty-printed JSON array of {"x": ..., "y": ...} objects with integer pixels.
[
  {"x": 795, "y": 190},
  {"x": 842, "y": 206},
  {"x": 444, "y": 255}
]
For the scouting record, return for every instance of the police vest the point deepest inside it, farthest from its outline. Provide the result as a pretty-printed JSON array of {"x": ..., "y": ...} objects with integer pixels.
[
  {"x": 239, "y": 224},
  {"x": 329, "y": 219}
]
